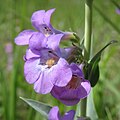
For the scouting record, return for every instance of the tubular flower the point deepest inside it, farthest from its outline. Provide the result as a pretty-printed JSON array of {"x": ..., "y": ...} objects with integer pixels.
[
  {"x": 55, "y": 115},
  {"x": 46, "y": 70},
  {"x": 77, "y": 88},
  {"x": 41, "y": 21},
  {"x": 46, "y": 67},
  {"x": 37, "y": 42}
]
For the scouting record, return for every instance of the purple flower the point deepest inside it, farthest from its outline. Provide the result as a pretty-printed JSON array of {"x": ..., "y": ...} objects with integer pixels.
[
  {"x": 55, "y": 115},
  {"x": 38, "y": 42},
  {"x": 41, "y": 21},
  {"x": 46, "y": 67},
  {"x": 9, "y": 52},
  {"x": 118, "y": 11},
  {"x": 78, "y": 88},
  {"x": 8, "y": 48},
  {"x": 46, "y": 70}
]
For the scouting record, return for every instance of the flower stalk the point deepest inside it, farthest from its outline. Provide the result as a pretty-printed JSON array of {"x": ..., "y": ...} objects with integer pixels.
[{"x": 87, "y": 44}]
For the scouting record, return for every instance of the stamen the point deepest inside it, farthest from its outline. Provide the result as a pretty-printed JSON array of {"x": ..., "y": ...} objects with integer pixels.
[{"x": 50, "y": 62}]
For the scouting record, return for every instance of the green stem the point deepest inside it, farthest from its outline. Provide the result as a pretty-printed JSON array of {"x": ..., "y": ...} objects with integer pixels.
[
  {"x": 88, "y": 28},
  {"x": 87, "y": 44},
  {"x": 83, "y": 106}
]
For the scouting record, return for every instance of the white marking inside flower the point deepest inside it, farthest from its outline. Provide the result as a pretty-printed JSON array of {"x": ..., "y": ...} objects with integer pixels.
[
  {"x": 47, "y": 35},
  {"x": 47, "y": 31}
]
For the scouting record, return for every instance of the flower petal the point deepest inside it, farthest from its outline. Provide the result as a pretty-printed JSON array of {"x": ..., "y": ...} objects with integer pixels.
[
  {"x": 71, "y": 96},
  {"x": 118, "y": 11},
  {"x": 31, "y": 70},
  {"x": 54, "y": 41},
  {"x": 23, "y": 37},
  {"x": 47, "y": 17},
  {"x": 60, "y": 73},
  {"x": 54, "y": 113},
  {"x": 37, "y": 19},
  {"x": 87, "y": 87},
  {"x": 76, "y": 70},
  {"x": 52, "y": 76},
  {"x": 29, "y": 54},
  {"x": 43, "y": 85},
  {"x": 37, "y": 41},
  {"x": 69, "y": 115},
  {"x": 66, "y": 52},
  {"x": 65, "y": 95}
]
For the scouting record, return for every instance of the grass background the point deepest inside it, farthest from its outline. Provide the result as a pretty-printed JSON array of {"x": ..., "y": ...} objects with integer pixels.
[{"x": 69, "y": 16}]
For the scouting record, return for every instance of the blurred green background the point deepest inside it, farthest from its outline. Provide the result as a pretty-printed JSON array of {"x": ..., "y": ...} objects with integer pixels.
[{"x": 69, "y": 16}]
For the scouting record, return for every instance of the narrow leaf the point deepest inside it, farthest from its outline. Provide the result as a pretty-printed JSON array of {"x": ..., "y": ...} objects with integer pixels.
[
  {"x": 98, "y": 55},
  {"x": 38, "y": 106},
  {"x": 92, "y": 71},
  {"x": 91, "y": 111}
]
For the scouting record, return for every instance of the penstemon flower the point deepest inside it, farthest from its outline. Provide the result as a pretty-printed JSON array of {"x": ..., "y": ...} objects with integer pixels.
[
  {"x": 55, "y": 115},
  {"x": 37, "y": 42},
  {"x": 78, "y": 88},
  {"x": 49, "y": 67},
  {"x": 45, "y": 65},
  {"x": 46, "y": 70},
  {"x": 59, "y": 71},
  {"x": 41, "y": 21}
]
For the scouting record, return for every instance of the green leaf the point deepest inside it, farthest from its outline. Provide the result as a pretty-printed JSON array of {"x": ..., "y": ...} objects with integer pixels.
[
  {"x": 91, "y": 111},
  {"x": 38, "y": 106},
  {"x": 92, "y": 71},
  {"x": 98, "y": 55}
]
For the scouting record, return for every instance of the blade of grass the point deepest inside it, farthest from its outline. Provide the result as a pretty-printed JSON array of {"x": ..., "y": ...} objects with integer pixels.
[
  {"x": 4, "y": 95},
  {"x": 13, "y": 85},
  {"x": 107, "y": 19},
  {"x": 12, "y": 108},
  {"x": 108, "y": 113}
]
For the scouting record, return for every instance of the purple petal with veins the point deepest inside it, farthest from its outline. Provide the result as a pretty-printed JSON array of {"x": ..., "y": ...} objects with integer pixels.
[
  {"x": 23, "y": 37},
  {"x": 78, "y": 88},
  {"x": 46, "y": 70}
]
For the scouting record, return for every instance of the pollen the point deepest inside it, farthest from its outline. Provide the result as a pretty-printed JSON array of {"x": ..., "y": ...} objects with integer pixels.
[{"x": 50, "y": 62}]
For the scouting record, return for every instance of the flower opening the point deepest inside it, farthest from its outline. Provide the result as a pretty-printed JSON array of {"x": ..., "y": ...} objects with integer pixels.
[{"x": 74, "y": 82}]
